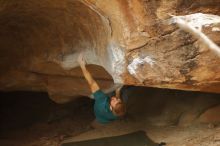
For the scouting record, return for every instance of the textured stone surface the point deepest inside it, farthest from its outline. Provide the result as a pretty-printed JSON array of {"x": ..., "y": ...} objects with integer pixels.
[
  {"x": 131, "y": 40},
  {"x": 211, "y": 115}
]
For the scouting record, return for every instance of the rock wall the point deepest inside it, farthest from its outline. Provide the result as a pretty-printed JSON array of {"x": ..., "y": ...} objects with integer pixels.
[{"x": 134, "y": 42}]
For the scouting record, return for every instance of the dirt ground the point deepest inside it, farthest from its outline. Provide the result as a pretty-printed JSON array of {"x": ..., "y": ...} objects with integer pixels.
[
  {"x": 195, "y": 135},
  {"x": 29, "y": 119}
]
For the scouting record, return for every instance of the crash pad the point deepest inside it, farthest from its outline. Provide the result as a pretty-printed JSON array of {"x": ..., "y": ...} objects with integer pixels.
[{"x": 138, "y": 138}]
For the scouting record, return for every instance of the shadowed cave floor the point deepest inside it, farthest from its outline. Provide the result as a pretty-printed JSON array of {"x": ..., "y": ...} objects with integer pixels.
[{"x": 32, "y": 119}]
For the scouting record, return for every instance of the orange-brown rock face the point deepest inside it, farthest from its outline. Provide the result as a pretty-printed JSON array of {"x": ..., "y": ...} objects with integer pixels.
[{"x": 134, "y": 41}]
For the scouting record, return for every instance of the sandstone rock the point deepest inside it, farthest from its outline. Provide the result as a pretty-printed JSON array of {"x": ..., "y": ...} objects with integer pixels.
[
  {"x": 211, "y": 115},
  {"x": 131, "y": 40}
]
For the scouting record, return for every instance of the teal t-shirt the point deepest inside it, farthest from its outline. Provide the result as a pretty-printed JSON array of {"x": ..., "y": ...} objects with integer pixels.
[{"x": 101, "y": 108}]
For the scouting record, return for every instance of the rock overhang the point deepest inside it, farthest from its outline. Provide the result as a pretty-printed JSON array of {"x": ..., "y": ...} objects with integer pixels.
[{"x": 130, "y": 40}]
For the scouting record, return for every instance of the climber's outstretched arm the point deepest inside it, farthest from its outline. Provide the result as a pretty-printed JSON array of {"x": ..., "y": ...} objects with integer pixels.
[{"x": 92, "y": 83}]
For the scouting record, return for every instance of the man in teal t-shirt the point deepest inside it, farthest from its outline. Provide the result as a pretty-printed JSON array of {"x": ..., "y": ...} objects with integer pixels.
[
  {"x": 102, "y": 109},
  {"x": 106, "y": 108}
]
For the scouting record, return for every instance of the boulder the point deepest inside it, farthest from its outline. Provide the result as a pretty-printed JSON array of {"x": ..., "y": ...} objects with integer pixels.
[{"x": 134, "y": 42}]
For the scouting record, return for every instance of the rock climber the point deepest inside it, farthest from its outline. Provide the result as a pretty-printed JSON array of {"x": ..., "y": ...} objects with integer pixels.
[{"x": 106, "y": 108}]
